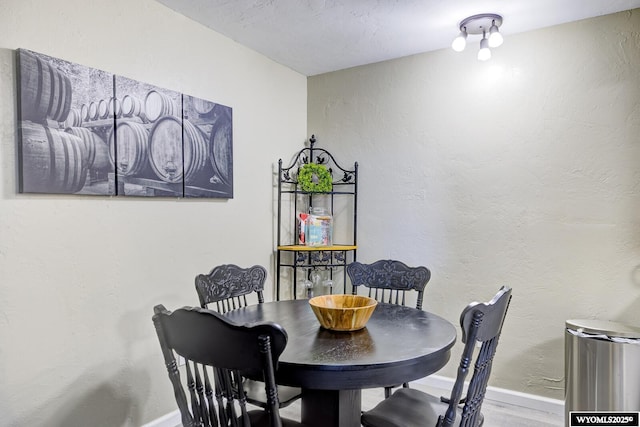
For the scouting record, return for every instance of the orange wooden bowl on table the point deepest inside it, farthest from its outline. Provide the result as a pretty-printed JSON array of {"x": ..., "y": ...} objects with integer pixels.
[{"x": 343, "y": 312}]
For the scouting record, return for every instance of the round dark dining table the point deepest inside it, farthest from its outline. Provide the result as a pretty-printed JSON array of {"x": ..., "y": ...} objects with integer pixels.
[{"x": 399, "y": 344}]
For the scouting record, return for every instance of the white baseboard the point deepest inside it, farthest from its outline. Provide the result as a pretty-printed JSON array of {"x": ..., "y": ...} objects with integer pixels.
[
  {"x": 172, "y": 419},
  {"x": 525, "y": 400}
]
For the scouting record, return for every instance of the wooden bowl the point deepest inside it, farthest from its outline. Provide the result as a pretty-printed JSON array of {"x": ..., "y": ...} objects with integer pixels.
[{"x": 343, "y": 312}]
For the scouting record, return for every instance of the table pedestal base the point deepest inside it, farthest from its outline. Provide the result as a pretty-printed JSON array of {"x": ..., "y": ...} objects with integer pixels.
[{"x": 339, "y": 408}]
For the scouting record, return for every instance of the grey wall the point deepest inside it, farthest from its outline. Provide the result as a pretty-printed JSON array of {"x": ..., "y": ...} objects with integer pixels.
[
  {"x": 521, "y": 171},
  {"x": 79, "y": 275}
]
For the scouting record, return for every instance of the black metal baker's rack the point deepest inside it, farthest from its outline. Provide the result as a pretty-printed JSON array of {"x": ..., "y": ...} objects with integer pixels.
[{"x": 291, "y": 255}]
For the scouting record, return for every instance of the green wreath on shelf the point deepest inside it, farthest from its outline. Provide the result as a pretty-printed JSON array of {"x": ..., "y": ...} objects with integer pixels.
[{"x": 314, "y": 178}]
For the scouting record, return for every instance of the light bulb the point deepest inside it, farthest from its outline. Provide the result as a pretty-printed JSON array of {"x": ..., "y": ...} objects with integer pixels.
[
  {"x": 484, "y": 53},
  {"x": 460, "y": 42},
  {"x": 495, "y": 38}
]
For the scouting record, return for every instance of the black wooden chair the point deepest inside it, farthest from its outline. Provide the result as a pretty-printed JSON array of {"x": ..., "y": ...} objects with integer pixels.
[
  {"x": 218, "y": 353},
  {"x": 388, "y": 281},
  {"x": 227, "y": 286},
  {"x": 480, "y": 323}
]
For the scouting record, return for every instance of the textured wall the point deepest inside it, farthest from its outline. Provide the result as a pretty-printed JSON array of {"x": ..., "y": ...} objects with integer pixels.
[
  {"x": 522, "y": 171},
  {"x": 79, "y": 275}
]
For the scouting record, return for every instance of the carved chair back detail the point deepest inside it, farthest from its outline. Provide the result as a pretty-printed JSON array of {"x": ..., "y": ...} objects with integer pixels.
[
  {"x": 389, "y": 280},
  {"x": 228, "y": 285}
]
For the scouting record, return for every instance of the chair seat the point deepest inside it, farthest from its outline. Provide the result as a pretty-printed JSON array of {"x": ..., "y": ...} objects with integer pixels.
[
  {"x": 256, "y": 395},
  {"x": 409, "y": 407}
]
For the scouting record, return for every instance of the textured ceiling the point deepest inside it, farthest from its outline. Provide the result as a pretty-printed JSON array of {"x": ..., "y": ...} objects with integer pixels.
[{"x": 319, "y": 36}]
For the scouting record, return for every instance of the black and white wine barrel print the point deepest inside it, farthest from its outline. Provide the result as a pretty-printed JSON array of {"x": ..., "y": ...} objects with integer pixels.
[{"x": 87, "y": 131}]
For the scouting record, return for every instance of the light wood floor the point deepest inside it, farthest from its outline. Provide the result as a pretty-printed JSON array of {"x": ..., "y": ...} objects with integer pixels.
[{"x": 496, "y": 414}]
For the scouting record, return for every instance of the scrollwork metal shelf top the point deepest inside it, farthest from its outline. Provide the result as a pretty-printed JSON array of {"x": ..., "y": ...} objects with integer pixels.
[{"x": 319, "y": 156}]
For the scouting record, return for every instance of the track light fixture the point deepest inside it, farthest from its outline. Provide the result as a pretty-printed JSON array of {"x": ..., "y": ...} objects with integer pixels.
[{"x": 488, "y": 25}]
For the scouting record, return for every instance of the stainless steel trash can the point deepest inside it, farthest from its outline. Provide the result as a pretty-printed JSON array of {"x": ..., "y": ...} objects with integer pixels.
[{"x": 602, "y": 366}]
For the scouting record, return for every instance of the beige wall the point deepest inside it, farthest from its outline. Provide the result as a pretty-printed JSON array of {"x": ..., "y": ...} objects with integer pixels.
[
  {"x": 521, "y": 171},
  {"x": 79, "y": 275}
]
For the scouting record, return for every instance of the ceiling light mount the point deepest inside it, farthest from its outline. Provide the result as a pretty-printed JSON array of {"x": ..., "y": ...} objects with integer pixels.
[
  {"x": 477, "y": 24},
  {"x": 485, "y": 24}
]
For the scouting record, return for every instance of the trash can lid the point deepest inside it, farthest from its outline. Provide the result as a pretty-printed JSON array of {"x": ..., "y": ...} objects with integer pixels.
[{"x": 604, "y": 327}]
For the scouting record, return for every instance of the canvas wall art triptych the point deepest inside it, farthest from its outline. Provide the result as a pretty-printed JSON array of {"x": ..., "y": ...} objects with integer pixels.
[{"x": 86, "y": 131}]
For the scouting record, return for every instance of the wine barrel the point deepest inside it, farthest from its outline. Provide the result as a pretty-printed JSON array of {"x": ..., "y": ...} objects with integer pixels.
[
  {"x": 132, "y": 149},
  {"x": 132, "y": 107},
  {"x": 115, "y": 108},
  {"x": 74, "y": 118},
  {"x": 45, "y": 92},
  {"x": 166, "y": 141},
  {"x": 221, "y": 148},
  {"x": 52, "y": 160},
  {"x": 202, "y": 106},
  {"x": 93, "y": 110},
  {"x": 103, "y": 109},
  {"x": 96, "y": 150},
  {"x": 157, "y": 105},
  {"x": 61, "y": 95},
  {"x": 84, "y": 112}
]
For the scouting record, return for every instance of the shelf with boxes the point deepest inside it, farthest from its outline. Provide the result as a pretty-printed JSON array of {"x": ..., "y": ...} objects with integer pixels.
[{"x": 316, "y": 223}]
